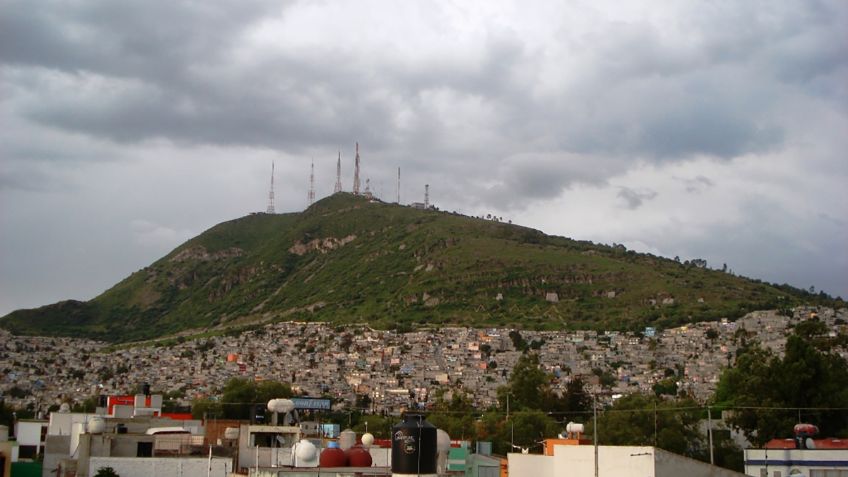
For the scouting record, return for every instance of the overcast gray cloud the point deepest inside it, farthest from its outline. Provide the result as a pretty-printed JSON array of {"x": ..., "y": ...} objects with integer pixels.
[{"x": 659, "y": 126}]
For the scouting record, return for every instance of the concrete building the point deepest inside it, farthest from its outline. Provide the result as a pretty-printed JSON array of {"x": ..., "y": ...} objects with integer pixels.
[
  {"x": 8, "y": 452},
  {"x": 31, "y": 434},
  {"x": 164, "y": 466},
  {"x": 266, "y": 446},
  {"x": 79, "y": 444},
  {"x": 784, "y": 458},
  {"x": 618, "y": 461}
]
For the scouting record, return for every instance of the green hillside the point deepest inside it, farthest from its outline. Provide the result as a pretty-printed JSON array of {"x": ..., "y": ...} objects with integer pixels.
[{"x": 348, "y": 260}]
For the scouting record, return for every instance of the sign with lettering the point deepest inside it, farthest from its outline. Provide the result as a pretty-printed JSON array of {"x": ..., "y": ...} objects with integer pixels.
[{"x": 312, "y": 403}]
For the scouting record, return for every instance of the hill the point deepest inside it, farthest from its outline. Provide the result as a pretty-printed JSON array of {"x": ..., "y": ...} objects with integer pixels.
[{"x": 350, "y": 260}]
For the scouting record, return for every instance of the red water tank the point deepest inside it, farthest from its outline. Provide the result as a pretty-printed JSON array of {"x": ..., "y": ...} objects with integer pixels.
[
  {"x": 332, "y": 457},
  {"x": 805, "y": 430},
  {"x": 357, "y": 456}
]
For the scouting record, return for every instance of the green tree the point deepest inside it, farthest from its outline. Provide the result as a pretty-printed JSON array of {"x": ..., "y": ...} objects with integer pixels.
[
  {"x": 201, "y": 408},
  {"x": 523, "y": 428},
  {"x": 639, "y": 419},
  {"x": 455, "y": 415},
  {"x": 667, "y": 387},
  {"x": 529, "y": 386},
  {"x": 106, "y": 472},
  {"x": 771, "y": 391},
  {"x": 240, "y": 395},
  {"x": 575, "y": 403},
  {"x": 379, "y": 426}
]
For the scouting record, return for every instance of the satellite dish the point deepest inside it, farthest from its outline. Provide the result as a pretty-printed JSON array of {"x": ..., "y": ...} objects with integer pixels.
[
  {"x": 65, "y": 407},
  {"x": 810, "y": 443},
  {"x": 367, "y": 439}
]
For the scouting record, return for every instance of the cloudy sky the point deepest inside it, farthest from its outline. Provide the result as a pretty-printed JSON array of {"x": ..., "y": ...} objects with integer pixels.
[{"x": 713, "y": 129}]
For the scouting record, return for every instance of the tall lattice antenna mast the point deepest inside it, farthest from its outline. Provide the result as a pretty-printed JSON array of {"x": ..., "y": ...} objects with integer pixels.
[
  {"x": 338, "y": 187},
  {"x": 271, "y": 192},
  {"x": 356, "y": 172},
  {"x": 426, "y": 196},
  {"x": 398, "y": 186},
  {"x": 311, "y": 195}
]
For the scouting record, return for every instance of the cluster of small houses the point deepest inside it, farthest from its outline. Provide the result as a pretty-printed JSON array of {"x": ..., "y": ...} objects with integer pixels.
[{"x": 391, "y": 369}]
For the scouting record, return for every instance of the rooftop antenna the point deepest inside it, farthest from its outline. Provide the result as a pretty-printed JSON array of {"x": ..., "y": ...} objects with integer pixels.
[
  {"x": 311, "y": 195},
  {"x": 398, "y": 186},
  {"x": 271, "y": 192},
  {"x": 426, "y": 196},
  {"x": 338, "y": 187},
  {"x": 356, "y": 171}
]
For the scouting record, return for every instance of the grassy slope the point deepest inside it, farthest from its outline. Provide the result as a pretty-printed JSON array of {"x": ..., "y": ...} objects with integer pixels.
[{"x": 381, "y": 277}]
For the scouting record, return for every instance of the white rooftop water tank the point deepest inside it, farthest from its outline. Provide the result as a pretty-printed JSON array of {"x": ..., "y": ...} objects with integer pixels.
[
  {"x": 347, "y": 439},
  {"x": 96, "y": 425}
]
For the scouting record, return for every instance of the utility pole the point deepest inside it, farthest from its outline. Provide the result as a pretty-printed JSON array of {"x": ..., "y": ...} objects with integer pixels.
[
  {"x": 710, "y": 433},
  {"x": 595, "y": 429},
  {"x": 655, "y": 423}
]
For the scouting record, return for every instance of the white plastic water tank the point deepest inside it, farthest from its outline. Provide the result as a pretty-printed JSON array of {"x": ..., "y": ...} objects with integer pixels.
[
  {"x": 367, "y": 440},
  {"x": 443, "y": 443},
  {"x": 96, "y": 425},
  {"x": 347, "y": 439},
  {"x": 281, "y": 405},
  {"x": 306, "y": 454},
  {"x": 574, "y": 427}
]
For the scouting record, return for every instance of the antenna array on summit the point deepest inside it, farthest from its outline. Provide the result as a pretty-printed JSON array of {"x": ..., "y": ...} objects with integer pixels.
[
  {"x": 270, "y": 209},
  {"x": 338, "y": 187},
  {"x": 356, "y": 171},
  {"x": 311, "y": 195}
]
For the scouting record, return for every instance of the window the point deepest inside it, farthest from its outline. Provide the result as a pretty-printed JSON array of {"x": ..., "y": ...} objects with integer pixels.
[
  {"x": 27, "y": 452},
  {"x": 144, "y": 449}
]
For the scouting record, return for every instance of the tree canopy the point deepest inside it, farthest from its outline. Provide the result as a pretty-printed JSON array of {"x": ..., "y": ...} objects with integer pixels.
[
  {"x": 774, "y": 393},
  {"x": 240, "y": 395}
]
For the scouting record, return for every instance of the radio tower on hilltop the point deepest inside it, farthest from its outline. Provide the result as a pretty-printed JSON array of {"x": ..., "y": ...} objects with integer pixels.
[
  {"x": 426, "y": 196},
  {"x": 311, "y": 195},
  {"x": 271, "y": 192},
  {"x": 356, "y": 171},
  {"x": 398, "y": 186},
  {"x": 338, "y": 187}
]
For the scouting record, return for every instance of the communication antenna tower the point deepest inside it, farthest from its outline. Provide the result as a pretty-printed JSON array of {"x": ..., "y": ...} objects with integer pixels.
[
  {"x": 356, "y": 171},
  {"x": 368, "y": 193},
  {"x": 426, "y": 196},
  {"x": 311, "y": 195},
  {"x": 338, "y": 187},
  {"x": 398, "y": 186},
  {"x": 270, "y": 209}
]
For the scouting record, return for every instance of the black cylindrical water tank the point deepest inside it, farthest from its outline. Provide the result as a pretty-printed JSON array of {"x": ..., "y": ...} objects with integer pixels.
[{"x": 414, "y": 446}]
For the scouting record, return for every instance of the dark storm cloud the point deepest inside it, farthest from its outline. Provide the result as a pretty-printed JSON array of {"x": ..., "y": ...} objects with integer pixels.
[
  {"x": 496, "y": 106},
  {"x": 696, "y": 184},
  {"x": 168, "y": 71},
  {"x": 141, "y": 38},
  {"x": 633, "y": 199}
]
